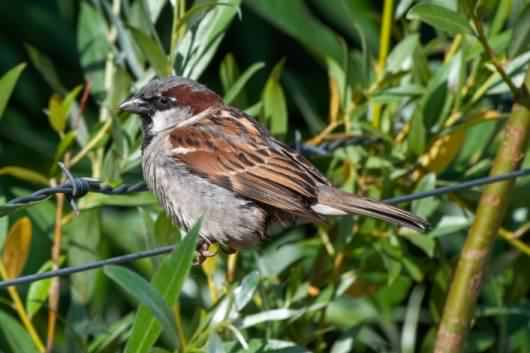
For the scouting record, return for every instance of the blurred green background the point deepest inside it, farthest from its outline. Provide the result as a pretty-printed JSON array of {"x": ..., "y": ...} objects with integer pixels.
[{"x": 415, "y": 105}]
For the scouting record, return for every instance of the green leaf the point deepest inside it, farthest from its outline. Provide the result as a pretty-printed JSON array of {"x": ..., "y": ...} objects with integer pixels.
[
  {"x": 440, "y": 17},
  {"x": 243, "y": 294},
  {"x": 425, "y": 207},
  {"x": 152, "y": 51},
  {"x": 93, "y": 46},
  {"x": 64, "y": 145},
  {"x": 117, "y": 330},
  {"x": 417, "y": 136},
  {"x": 236, "y": 88},
  {"x": 59, "y": 109},
  {"x": 294, "y": 18},
  {"x": 521, "y": 33},
  {"x": 228, "y": 72},
  {"x": 397, "y": 94},
  {"x": 15, "y": 335},
  {"x": 467, "y": 7},
  {"x": 84, "y": 235},
  {"x": 134, "y": 199},
  {"x": 199, "y": 44},
  {"x": 38, "y": 291},
  {"x": 155, "y": 7},
  {"x": 274, "y": 104},
  {"x": 401, "y": 57},
  {"x": 7, "y": 84},
  {"x": 146, "y": 295},
  {"x": 44, "y": 65},
  {"x": 25, "y": 174},
  {"x": 410, "y": 326},
  {"x": 168, "y": 280}
]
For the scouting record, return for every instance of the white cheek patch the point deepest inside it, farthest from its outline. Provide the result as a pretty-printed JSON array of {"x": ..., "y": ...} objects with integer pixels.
[{"x": 163, "y": 120}]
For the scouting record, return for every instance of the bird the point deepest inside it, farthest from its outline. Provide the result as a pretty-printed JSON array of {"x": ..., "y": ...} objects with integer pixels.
[{"x": 204, "y": 159}]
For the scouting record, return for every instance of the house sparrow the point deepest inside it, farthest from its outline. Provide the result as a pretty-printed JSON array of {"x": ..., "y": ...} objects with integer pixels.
[{"x": 204, "y": 158}]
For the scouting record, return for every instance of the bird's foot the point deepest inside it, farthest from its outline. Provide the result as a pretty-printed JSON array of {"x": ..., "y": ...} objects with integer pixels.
[{"x": 202, "y": 252}]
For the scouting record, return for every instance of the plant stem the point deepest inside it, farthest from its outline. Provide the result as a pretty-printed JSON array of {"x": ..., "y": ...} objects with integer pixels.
[
  {"x": 92, "y": 143},
  {"x": 465, "y": 286},
  {"x": 491, "y": 54},
  {"x": 384, "y": 45},
  {"x": 54, "y": 291}
]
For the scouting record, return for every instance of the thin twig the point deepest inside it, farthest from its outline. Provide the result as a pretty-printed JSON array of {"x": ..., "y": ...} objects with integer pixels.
[{"x": 493, "y": 58}]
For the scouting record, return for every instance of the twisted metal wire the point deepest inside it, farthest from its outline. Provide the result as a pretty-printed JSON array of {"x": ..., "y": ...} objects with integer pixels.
[{"x": 75, "y": 188}]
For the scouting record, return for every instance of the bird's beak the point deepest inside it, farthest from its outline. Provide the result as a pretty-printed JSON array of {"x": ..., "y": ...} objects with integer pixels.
[{"x": 135, "y": 105}]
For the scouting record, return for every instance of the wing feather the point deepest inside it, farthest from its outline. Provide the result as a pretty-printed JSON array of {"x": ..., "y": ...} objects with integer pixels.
[{"x": 233, "y": 151}]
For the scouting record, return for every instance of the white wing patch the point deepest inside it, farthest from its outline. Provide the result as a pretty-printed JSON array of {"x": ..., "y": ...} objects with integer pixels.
[{"x": 327, "y": 210}]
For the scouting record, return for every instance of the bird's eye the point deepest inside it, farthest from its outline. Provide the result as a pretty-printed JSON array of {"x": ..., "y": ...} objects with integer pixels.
[{"x": 163, "y": 100}]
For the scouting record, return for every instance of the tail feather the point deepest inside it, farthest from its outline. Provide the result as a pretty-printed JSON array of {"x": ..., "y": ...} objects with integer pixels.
[{"x": 333, "y": 202}]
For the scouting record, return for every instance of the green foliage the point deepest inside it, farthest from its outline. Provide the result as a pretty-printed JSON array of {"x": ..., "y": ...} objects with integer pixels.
[{"x": 425, "y": 115}]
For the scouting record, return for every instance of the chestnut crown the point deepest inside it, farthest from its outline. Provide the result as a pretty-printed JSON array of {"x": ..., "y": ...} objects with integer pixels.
[{"x": 167, "y": 93}]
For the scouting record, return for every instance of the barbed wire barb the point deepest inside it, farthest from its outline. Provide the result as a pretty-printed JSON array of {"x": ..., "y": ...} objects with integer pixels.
[{"x": 76, "y": 187}]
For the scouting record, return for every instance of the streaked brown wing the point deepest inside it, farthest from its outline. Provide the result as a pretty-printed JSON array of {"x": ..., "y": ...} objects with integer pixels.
[{"x": 233, "y": 151}]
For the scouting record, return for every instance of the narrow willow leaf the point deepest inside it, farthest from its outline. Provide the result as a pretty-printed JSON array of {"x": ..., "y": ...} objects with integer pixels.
[
  {"x": 117, "y": 330},
  {"x": 17, "y": 338},
  {"x": 243, "y": 294},
  {"x": 168, "y": 280},
  {"x": 145, "y": 294},
  {"x": 59, "y": 108},
  {"x": 199, "y": 44},
  {"x": 295, "y": 18},
  {"x": 425, "y": 207},
  {"x": 417, "y": 136},
  {"x": 401, "y": 57},
  {"x": 155, "y": 7},
  {"x": 241, "y": 82},
  {"x": 440, "y": 17},
  {"x": 64, "y": 145},
  {"x": 215, "y": 345},
  {"x": 7, "y": 84},
  {"x": 93, "y": 46},
  {"x": 133, "y": 199},
  {"x": 228, "y": 72},
  {"x": 38, "y": 291},
  {"x": 84, "y": 233},
  {"x": 521, "y": 34},
  {"x": 274, "y": 104},
  {"x": 412, "y": 315},
  {"x": 467, "y": 7},
  {"x": 443, "y": 151},
  {"x": 17, "y": 246},
  {"x": 25, "y": 174},
  {"x": 152, "y": 51},
  {"x": 44, "y": 65}
]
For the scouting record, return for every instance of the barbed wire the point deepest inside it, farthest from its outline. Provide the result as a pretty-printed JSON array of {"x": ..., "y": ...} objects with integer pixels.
[{"x": 76, "y": 187}]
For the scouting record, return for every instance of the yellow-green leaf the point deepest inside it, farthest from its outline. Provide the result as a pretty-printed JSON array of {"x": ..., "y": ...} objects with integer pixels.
[
  {"x": 59, "y": 108},
  {"x": 16, "y": 248},
  {"x": 7, "y": 84},
  {"x": 24, "y": 174},
  {"x": 275, "y": 106},
  {"x": 443, "y": 151}
]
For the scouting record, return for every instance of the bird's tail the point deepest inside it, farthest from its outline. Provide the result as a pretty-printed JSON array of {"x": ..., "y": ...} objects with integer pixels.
[{"x": 333, "y": 202}]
